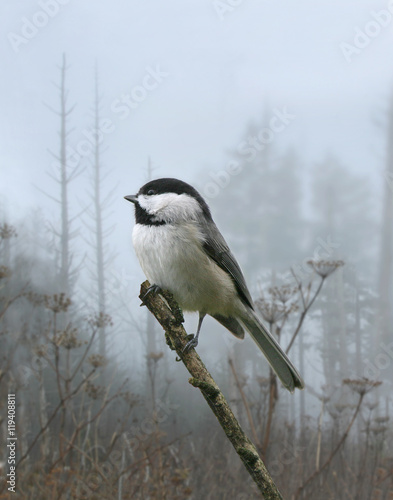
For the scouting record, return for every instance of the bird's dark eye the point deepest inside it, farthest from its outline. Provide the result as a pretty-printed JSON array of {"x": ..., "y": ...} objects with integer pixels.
[{"x": 151, "y": 191}]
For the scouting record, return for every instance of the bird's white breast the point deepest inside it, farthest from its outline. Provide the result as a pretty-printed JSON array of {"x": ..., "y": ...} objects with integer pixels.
[{"x": 172, "y": 257}]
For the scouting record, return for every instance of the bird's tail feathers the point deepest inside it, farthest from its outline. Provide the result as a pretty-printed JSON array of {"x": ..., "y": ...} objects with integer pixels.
[{"x": 277, "y": 358}]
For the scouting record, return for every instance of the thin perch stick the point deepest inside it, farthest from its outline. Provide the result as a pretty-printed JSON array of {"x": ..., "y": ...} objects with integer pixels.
[{"x": 170, "y": 317}]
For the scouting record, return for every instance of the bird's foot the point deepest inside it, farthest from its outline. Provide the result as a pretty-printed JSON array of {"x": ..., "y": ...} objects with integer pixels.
[
  {"x": 193, "y": 342},
  {"x": 154, "y": 289}
]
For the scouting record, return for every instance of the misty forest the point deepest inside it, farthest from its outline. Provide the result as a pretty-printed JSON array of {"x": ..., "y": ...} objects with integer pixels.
[{"x": 293, "y": 152}]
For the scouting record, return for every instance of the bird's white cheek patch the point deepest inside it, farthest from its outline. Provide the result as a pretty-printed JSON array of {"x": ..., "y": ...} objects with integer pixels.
[
  {"x": 170, "y": 206},
  {"x": 152, "y": 204}
]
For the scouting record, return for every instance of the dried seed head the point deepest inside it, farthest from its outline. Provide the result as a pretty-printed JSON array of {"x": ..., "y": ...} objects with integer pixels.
[
  {"x": 326, "y": 393},
  {"x": 94, "y": 391},
  {"x": 325, "y": 267},
  {"x": 270, "y": 311},
  {"x": 323, "y": 398},
  {"x": 340, "y": 407},
  {"x": 371, "y": 405},
  {"x": 379, "y": 430},
  {"x": 263, "y": 381},
  {"x": 361, "y": 386},
  {"x": 68, "y": 338},
  {"x": 41, "y": 350},
  {"x": 7, "y": 231},
  {"x": 97, "y": 360},
  {"x": 129, "y": 398},
  {"x": 57, "y": 302},
  {"x": 5, "y": 272},
  {"x": 283, "y": 293},
  {"x": 381, "y": 420},
  {"x": 36, "y": 299},
  {"x": 155, "y": 356},
  {"x": 100, "y": 320}
]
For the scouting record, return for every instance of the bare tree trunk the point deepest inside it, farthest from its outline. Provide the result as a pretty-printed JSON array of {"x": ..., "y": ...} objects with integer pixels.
[
  {"x": 7, "y": 232},
  {"x": 302, "y": 371},
  {"x": 331, "y": 338},
  {"x": 65, "y": 230},
  {"x": 43, "y": 416},
  {"x": 100, "y": 266},
  {"x": 358, "y": 348},
  {"x": 326, "y": 341},
  {"x": 358, "y": 333},
  {"x": 343, "y": 354},
  {"x": 237, "y": 356},
  {"x": 63, "y": 177},
  {"x": 386, "y": 249}
]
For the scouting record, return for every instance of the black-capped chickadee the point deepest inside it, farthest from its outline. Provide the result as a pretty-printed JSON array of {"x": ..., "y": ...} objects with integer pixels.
[{"x": 180, "y": 249}]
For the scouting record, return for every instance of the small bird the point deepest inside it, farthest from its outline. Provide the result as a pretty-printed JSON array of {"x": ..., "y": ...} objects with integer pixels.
[{"x": 180, "y": 249}]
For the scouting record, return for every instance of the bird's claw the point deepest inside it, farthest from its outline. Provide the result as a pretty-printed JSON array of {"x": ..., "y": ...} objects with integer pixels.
[
  {"x": 193, "y": 342},
  {"x": 154, "y": 289}
]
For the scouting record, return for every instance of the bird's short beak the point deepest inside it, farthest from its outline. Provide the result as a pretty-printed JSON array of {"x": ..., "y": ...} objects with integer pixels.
[{"x": 131, "y": 197}]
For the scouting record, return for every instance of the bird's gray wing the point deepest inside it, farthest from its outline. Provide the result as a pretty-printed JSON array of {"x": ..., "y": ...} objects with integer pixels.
[{"x": 217, "y": 249}]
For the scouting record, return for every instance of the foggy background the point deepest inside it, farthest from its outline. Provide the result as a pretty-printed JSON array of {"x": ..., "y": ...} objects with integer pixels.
[{"x": 203, "y": 79}]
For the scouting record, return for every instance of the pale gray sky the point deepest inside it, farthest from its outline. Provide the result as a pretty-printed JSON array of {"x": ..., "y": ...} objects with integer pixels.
[
  {"x": 221, "y": 66},
  {"x": 221, "y": 70}
]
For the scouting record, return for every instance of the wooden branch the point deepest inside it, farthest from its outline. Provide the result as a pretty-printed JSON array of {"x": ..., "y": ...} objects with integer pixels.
[{"x": 170, "y": 317}]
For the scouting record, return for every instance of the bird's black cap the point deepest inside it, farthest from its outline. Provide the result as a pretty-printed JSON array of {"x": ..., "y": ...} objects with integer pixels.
[{"x": 170, "y": 185}]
